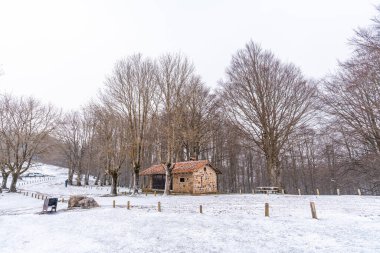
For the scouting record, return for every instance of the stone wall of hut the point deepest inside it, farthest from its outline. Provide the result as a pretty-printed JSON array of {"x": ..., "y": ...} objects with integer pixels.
[
  {"x": 205, "y": 181},
  {"x": 183, "y": 183}
]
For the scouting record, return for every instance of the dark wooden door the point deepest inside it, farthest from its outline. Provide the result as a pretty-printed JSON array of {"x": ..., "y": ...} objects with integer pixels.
[{"x": 158, "y": 182}]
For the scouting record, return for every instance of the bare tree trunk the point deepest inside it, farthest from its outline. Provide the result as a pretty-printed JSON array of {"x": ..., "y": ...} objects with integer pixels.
[
  {"x": 294, "y": 169},
  {"x": 97, "y": 179},
  {"x": 168, "y": 177},
  {"x": 79, "y": 178},
  {"x": 103, "y": 179},
  {"x": 303, "y": 170},
  {"x": 311, "y": 165},
  {"x": 114, "y": 183},
  {"x": 273, "y": 170},
  {"x": 70, "y": 176},
  {"x": 13, "y": 188},
  {"x": 87, "y": 177},
  {"x": 130, "y": 182},
  {"x": 5, "y": 180},
  {"x": 136, "y": 180}
]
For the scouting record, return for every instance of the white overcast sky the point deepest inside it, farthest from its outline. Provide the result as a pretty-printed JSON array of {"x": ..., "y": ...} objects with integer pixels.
[{"x": 61, "y": 51}]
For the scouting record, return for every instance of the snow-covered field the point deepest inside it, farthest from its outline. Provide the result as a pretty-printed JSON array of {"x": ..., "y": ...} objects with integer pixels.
[{"x": 229, "y": 223}]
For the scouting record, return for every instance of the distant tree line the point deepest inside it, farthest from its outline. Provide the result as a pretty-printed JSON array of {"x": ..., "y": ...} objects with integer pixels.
[{"x": 265, "y": 124}]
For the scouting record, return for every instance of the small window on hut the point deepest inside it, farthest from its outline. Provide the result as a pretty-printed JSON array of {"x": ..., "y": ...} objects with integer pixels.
[{"x": 182, "y": 179}]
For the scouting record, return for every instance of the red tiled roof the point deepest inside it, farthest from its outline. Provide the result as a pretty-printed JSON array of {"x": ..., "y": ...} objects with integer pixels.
[
  {"x": 180, "y": 167},
  {"x": 155, "y": 169}
]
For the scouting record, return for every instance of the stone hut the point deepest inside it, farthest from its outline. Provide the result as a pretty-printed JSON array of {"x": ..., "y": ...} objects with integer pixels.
[{"x": 194, "y": 177}]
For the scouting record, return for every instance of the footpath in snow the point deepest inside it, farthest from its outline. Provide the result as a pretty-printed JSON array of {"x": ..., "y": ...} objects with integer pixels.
[{"x": 229, "y": 223}]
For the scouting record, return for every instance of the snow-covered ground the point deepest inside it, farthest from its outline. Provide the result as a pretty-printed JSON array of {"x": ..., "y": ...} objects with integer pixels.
[{"x": 229, "y": 223}]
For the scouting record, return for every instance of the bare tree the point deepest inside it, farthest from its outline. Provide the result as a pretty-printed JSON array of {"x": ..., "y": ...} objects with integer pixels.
[
  {"x": 198, "y": 114},
  {"x": 352, "y": 98},
  {"x": 91, "y": 156},
  {"x": 113, "y": 140},
  {"x": 174, "y": 74},
  {"x": 75, "y": 133},
  {"x": 25, "y": 125},
  {"x": 132, "y": 90},
  {"x": 5, "y": 172},
  {"x": 268, "y": 100}
]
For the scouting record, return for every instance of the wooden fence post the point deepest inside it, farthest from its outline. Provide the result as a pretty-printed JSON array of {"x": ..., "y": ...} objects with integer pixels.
[
  {"x": 63, "y": 200},
  {"x": 200, "y": 209},
  {"x": 313, "y": 210},
  {"x": 113, "y": 203},
  {"x": 159, "y": 206},
  {"x": 299, "y": 192},
  {"x": 155, "y": 193},
  {"x": 128, "y": 205},
  {"x": 266, "y": 209},
  {"x": 359, "y": 192},
  {"x": 317, "y": 191}
]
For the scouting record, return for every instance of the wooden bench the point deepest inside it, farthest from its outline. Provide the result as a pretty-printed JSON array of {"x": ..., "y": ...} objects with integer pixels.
[
  {"x": 268, "y": 189},
  {"x": 50, "y": 202}
]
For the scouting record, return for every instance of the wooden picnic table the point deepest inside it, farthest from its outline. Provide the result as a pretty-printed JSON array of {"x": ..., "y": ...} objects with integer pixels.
[{"x": 268, "y": 189}]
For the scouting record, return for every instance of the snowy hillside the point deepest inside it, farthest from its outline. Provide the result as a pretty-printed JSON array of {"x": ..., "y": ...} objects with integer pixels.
[{"x": 229, "y": 223}]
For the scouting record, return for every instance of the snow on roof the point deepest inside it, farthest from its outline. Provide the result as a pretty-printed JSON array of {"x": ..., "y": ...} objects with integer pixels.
[{"x": 179, "y": 167}]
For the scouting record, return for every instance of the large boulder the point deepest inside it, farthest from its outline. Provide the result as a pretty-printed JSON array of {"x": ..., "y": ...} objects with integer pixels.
[{"x": 82, "y": 201}]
